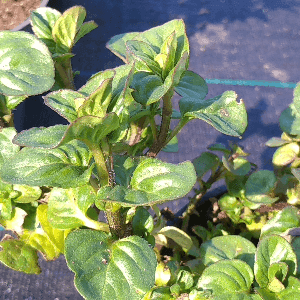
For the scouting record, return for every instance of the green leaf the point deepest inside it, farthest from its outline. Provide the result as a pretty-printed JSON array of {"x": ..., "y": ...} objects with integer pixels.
[
  {"x": 148, "y": 88},
  {"x": 41, "y": 137},
  {"x": 26, "y": 66},
  {"x": 286, "y": 154},
  {"x": 117, "y": 44},
  {"x": 65, "y": 103},
  {"x": 142, "y": 222},
  {"x": 97, "y": 79},
  {"x": 144, "y": 57},
  {"x": 259, "y": 186},
  {"x": 273, "y": 249},
  {"x": 27, "y": 193},
  {"x": 289, "y": 120},
  {"x": 39, "y": 240},
  {"x": 277, "y": 273},
  {"x": 239, "y": 166},
  {"x": 228, "y": 247},
  {"x": 153, "y": 181},
  {"x": 276, "y": 142},
  {"x": 163, "y": 181},
  {"x": 13, "y": 101},
  {"x": 15, "y": 223},
  {"x": 42, "y": 22},
  {"x": 185, "y": 280},
  {"x": 88, "y": 129},
  {"x": 7, "y": 148},
  {"x": 157, "y": 36},
  {"x": 205, "y": 162},
  {"x": 172, "y": 146},
  {"x": 97, "y": 103},
  {"x": 227, "y": 277},
  {"x": 19, "y": 256},
  {"x": 124, "y": 167},
  {"x": 224, "y": 113},
  {"x": 192, "y": 85},
  {"x": 284, "y": 220},
  {"x": 66, "y": 28},
  {"x": 66, "y": 166},
  {"x": 85, "y": 29},
  {"x": 105, "y": 269},
  {"x": 166, "y": 57},
  {"x": 68, "y": 208},
  {"x": 292, "y": 290},
  {"x": 178, "y": 236},
  {"x": 56, "y": 236}
]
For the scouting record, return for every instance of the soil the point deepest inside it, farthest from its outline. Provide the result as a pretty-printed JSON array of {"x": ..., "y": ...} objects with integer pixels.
[{"x": 15, "y": 12}]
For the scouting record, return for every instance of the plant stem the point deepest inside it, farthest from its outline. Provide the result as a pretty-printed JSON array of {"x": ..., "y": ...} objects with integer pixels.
[
  {"x": 165, "y": 125},
  {"x": 177, "y": 129},
  {"x": 100, "y": 163},
  {"x": 64, "y": 69},
  {"x": 153, "y": 128},
  {"x": 197, "y": 198},
  {"x": 116, "y": 222}
]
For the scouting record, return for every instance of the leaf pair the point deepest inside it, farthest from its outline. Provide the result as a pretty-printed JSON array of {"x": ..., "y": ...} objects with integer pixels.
[{"x": 59, "y": 31}]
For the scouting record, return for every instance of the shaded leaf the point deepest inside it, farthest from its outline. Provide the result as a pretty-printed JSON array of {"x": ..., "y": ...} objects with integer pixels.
[
  {"x": 205, "y": 162},
  {"x": 192, "y": 85},
  {"x": 259, "y": 186}
]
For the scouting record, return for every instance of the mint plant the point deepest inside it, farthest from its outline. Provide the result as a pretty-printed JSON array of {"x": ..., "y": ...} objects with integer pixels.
[{"x": 56, "y": 180}]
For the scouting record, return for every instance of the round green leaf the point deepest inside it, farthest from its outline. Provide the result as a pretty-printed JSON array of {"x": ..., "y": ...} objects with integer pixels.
[
  {"x": 273, "y": 249},
  {"x": 192, "y": 85},
  {"x": 163, "y": 181},
  {"x": 285, "y": 154},
  {"x": 205, "y": 162},
  {"x": 19, "y": 256},
  {"x": 26, "y": 66},
  {"x": 286, "y": 219},
  {"x": 227, "y": 247},
  {"x": 227, "y": 277},
  {"x": 123, "y": 269},
  {"x": 259, "y": 185}
]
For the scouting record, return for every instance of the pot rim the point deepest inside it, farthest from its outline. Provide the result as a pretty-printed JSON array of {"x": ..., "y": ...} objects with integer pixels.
[{"x": 27, "y": 21}]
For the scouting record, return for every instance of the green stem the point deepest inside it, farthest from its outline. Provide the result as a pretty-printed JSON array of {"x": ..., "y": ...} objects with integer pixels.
[
  {"x": 64, "y": 69},
  {"x": 165, "y": 125},
  {"x": 100, "y": 164},
  {"x": 153, "y": 128},
  {"x": 191, "y": 209},
  {"x": 176, "y": 130}
]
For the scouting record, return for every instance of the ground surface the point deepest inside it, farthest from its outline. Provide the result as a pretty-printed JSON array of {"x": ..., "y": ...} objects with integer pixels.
[{"x": 230, "y": 39}]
